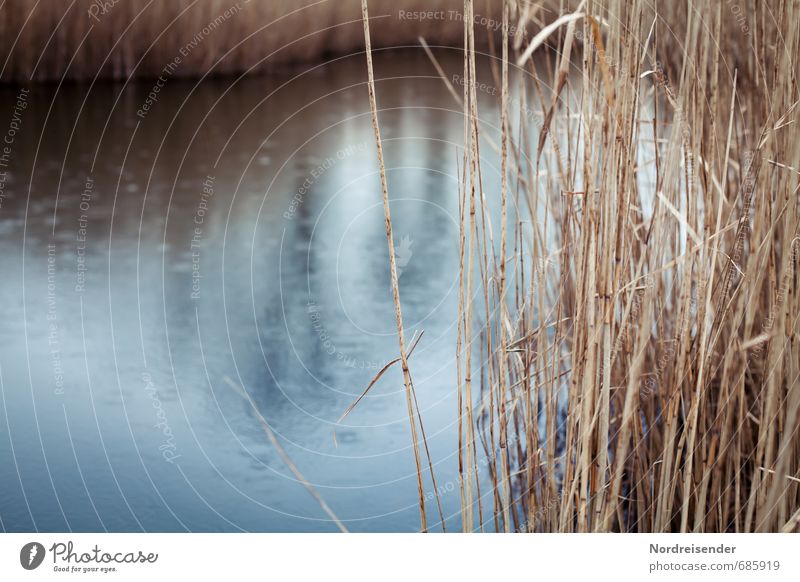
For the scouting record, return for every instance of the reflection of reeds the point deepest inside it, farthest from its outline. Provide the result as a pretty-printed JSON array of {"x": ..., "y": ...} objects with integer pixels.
[{"x": 639, "y": 365}]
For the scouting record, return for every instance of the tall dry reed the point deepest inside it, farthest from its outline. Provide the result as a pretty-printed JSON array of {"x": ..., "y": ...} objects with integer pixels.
[{"x": 627, "y": 346}]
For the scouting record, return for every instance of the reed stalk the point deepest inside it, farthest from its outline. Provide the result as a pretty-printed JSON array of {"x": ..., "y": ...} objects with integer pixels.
[{"x": 647, "y": 380}]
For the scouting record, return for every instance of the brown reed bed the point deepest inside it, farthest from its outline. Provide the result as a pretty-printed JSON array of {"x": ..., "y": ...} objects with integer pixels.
[
  {"x": 628, "y": 351},
  {"x": 123, "y": 38}
]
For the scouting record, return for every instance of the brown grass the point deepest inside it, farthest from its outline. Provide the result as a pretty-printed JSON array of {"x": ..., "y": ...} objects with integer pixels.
[
  {"x": 47, "y": 40},
  {"x": 642, "y": 373}
]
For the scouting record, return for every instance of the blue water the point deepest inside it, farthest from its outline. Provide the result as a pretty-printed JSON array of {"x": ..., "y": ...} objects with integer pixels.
[{"x": 234, "y": 230}]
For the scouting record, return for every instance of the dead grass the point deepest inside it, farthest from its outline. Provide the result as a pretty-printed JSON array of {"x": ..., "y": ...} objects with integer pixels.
[
  {"x": 640, "y": 374},
  {"x": 628, "y": 351}
]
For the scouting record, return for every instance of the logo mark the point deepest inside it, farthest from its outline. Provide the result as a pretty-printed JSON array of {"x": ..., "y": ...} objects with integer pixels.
[
  {"x": 31, "y": 555},
  {"x": 403, "y": 254}
]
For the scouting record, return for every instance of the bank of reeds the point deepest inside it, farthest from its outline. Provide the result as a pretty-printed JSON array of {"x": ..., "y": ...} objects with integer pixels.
[
  {"x": 85, "y": 39},
  {"x": 628, "y": 351},
  {"x": 642, "y": 373},
  {"x": 82, "y": 39}
]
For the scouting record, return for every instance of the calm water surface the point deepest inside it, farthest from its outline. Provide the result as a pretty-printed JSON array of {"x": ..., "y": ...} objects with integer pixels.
[{"x": 232, "y": 230}]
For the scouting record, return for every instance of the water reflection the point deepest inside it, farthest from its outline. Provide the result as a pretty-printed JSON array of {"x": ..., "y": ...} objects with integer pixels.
[{"x": 235, "y": 230}]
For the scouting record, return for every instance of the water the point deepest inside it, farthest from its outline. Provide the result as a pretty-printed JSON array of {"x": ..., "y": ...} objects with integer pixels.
[{"x": 232, "y": 230}]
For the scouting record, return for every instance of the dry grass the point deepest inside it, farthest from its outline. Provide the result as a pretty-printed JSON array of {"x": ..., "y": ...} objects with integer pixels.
[
  {"x": 47, "y": 40},
  {"x": 82, "y": 39},
  {"x": 639, "y": 365}
]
